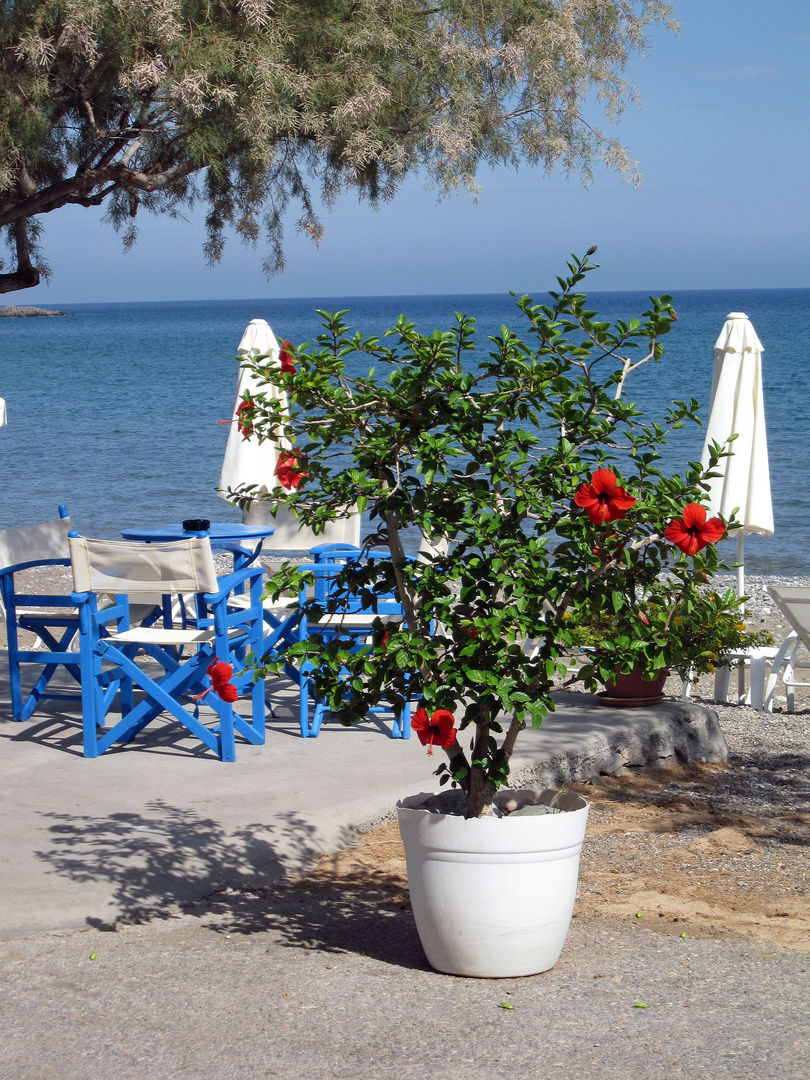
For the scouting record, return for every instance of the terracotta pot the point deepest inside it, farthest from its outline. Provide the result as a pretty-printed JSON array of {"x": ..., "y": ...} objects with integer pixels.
[{"x": 633, "y": 690}]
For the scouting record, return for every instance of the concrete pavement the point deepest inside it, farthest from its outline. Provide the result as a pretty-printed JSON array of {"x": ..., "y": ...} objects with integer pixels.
[
  {"x": 161, "y": 821},
  {"x": 244, "y": 979}
]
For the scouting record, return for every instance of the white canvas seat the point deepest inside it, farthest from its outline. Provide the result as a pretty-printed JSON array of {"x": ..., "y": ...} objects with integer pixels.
[{"x": 109, "y": 672}]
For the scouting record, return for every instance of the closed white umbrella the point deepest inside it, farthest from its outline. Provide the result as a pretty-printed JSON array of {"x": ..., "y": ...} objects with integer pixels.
[
  {"x": 737, "y": 408},
  {"x": 248, "y": 461}
]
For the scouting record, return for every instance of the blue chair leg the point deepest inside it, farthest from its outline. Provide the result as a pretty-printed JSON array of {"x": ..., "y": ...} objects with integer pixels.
[
  {"x": 402, "y": 722},
  {"x": 321, "y": 709},
  {"x": 92, "y": 693},
  {"x": 227, "y": 743},
  {"x": 303, "y": 701}
]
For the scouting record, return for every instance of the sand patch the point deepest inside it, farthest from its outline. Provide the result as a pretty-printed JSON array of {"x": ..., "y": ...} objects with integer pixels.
[{"x": 678, "y": 851}]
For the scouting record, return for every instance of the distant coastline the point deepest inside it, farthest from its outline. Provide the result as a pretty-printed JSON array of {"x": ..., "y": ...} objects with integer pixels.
[{"x": 13, "y": 312}]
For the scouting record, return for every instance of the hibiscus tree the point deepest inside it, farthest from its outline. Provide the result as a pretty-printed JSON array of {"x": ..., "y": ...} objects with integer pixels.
[{"x": 518, "y": 455}]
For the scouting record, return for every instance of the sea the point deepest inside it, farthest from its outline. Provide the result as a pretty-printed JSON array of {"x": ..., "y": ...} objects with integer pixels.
[{"x": 115, "y": 409}]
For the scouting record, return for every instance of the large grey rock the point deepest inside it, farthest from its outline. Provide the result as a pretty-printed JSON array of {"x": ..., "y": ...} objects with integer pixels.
[
  {"x": 12, "y": 311},
  {"x": 583, "y": 740}
]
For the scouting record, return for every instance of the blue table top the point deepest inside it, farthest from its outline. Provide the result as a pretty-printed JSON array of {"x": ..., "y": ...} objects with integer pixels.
[{"x": 224, "y": 532}]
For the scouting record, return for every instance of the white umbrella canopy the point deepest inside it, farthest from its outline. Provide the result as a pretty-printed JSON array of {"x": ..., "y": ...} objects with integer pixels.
[
  {"x": 248, "y": 461},
  {"x": 737, "y": 408}
]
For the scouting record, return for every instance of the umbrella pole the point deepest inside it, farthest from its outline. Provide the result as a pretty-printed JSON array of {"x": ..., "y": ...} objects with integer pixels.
[
  {"x": 740, "y": 593},
  {"x": 741, "y": 567}
]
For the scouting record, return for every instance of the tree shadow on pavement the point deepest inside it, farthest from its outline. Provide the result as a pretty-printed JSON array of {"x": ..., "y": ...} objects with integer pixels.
[{"x": 167, "y": 861}]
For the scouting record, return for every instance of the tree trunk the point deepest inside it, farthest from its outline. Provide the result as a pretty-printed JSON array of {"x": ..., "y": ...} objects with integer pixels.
[
  {"x": 480, "y": 796},
  {"x": 25, "y": 276},
  {"x": 20, "y": 279},
  {"x": 482, "y": 790}
]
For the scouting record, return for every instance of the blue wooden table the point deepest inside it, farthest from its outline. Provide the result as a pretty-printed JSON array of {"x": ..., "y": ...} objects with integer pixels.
[{"x": 228, "y": 536}]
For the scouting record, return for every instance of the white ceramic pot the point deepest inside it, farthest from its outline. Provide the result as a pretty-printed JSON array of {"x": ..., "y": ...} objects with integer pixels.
[{"x": 492, "y": 897}]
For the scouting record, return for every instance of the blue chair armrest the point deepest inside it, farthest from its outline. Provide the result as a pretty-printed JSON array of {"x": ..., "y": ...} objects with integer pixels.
[
  {"x": 229, "y": 582},
  {"x": 325, "y": 552},
  {"x": 43, "y": 600}
]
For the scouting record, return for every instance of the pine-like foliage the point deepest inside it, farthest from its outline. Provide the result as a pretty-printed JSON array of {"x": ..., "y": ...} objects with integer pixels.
[{"x": 249, "y": 105}]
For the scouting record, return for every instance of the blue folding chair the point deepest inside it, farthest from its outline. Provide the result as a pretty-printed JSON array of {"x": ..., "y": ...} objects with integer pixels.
[
  {"x": 20, "y": 549},
  {"x": 215, "y": 632},
  {"x": 289, "y": 625}
]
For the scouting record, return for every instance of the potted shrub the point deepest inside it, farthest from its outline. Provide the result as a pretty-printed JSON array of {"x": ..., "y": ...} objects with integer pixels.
[
  {"x": 658, "y": 623},
  {"x": 502, "y": 457}
]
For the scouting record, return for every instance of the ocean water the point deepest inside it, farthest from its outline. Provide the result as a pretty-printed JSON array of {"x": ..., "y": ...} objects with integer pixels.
[{"x": 114, "y": 409}]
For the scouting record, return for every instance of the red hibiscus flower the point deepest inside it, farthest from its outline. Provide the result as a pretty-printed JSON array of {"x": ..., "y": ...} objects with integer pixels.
[
  {"x": 602, "y": 498},
  {"x": 439, "y": 730},
  {"x": 692, "y": 531},
  {"x": 287, "y": 357},
  {"x": 220, "y": 675},
  {"x": 245, "y": 426},
  {"x": 291, "y": 470}
]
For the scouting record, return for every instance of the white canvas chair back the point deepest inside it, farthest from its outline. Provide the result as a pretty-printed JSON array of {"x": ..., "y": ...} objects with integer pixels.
[
  {"x": 137, "y": 569},
  {"x": 33, "y": 544},
  {"x": 291, "y": 535}
]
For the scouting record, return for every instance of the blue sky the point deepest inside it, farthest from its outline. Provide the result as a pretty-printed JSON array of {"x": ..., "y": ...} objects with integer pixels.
[{"x": 722, "y": 142}]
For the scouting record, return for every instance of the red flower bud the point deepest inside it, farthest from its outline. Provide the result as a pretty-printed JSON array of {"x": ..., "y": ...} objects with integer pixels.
[
  {"x": 287, "y": 357},
  {"x": 245, "y": 426}
]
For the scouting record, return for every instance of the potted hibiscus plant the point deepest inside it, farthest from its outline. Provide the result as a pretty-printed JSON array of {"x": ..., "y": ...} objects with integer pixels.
[
  {"x": 500, "y": 464},
  {"x": 649, "y": 611}
]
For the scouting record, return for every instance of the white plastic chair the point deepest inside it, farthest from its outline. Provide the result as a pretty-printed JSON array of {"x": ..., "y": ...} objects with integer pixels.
[{"x": 794, "y": 604}]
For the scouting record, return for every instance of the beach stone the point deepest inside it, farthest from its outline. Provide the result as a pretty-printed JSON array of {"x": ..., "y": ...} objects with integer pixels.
[{"x": 509, "y": 800}]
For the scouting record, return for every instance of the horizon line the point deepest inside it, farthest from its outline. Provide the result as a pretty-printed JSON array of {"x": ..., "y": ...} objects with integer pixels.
[{"x": 392, "y": 296}]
